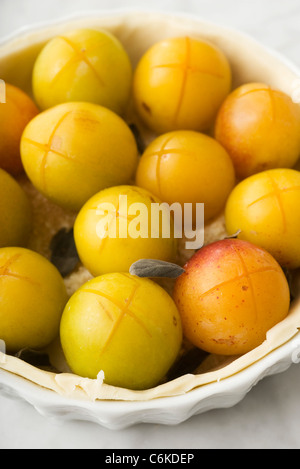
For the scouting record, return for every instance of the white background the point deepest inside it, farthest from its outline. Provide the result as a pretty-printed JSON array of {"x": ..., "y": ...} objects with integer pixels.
[{"x": 270, "y": 414}]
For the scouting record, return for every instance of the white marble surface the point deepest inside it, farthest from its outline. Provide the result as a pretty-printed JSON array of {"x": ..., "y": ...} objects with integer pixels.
[{"x": 270, "y": 414}]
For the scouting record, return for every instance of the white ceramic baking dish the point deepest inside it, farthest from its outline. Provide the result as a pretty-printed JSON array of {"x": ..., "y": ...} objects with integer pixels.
[{"x": 219, "y": 383}]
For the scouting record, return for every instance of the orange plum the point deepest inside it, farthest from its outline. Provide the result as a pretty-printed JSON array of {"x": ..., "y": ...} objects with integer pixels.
[
  {"x": 15, "y": 114},
  {"x": 180, "y": 83},
  {"x": 260, "y": 128},
  {"x": 187, "y": 167},
  {"x": 231, "y": 294}
]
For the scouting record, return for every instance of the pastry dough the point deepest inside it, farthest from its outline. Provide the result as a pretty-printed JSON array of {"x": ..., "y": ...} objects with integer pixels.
[{"x": 250, "y": 62}]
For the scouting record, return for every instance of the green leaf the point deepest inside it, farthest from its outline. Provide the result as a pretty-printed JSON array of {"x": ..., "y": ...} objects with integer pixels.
[
  {"x": 151, "y": 268},
  {"x": 63, "y": 252}
]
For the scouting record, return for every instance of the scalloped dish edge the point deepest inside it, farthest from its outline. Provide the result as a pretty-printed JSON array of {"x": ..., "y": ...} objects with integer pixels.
[{"x": 137, "y": 33}]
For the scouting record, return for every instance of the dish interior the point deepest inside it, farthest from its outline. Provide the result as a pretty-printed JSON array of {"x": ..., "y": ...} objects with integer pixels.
[{"x": 250, "y": 63}]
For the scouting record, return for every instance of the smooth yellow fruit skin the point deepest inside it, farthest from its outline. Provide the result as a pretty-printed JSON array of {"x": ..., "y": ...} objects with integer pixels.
[
  {"x": 187, "y": 167},
  {"x": 265, "y": 208},
  {"x": 74, "y": 150},
  {"x": 102, "y": 254},
  {"x": 15, "y": 212},
  {"x": 83, "y": 65},
  {"x": 33, "y": 296},
  {"x": 126, "y": 326},
  {"x": 260, "y": 129},
  {"x": 180, "y": 83}
]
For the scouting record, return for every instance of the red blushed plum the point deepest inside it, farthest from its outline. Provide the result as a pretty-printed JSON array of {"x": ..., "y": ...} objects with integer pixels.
[
  {"x": 260, "y": 129},
  {"x": 230, "y": 295}
]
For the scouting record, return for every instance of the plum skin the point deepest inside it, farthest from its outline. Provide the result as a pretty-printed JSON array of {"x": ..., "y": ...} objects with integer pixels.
[{"x": 231, "y": 294}]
